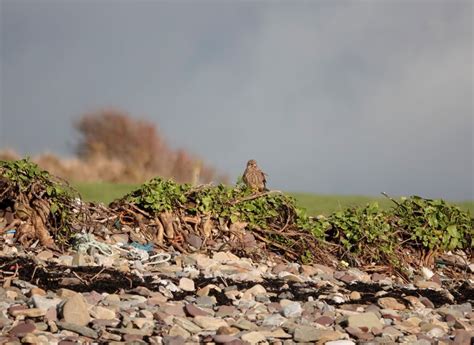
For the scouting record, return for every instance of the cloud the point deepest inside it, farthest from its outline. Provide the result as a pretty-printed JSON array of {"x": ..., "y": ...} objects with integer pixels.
[{"x": 353, "y": 97}]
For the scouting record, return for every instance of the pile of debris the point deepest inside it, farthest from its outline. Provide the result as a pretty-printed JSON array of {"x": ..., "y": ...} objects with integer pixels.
[{"x": 162, "y": 215}]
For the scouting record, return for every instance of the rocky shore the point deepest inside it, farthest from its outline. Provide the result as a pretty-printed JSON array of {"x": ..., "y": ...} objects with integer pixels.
[{"x": 174, "y": 299}]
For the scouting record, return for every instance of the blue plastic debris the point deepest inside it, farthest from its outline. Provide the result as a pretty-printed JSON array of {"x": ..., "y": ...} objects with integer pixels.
[{"x": 146, "y": 247}]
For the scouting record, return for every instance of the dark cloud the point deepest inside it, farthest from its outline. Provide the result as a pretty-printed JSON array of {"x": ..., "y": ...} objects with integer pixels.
[{"x": 353, "y": 97}]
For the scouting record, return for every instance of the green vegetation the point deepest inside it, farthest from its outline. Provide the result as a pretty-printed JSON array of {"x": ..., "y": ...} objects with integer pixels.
[
  {"x": 220, "y": 202},
  {"x": 47, "y": 209},
  {"x": 103, "y": 192},
  {"x": 45, "y": 204},
  {"x": 314, "y": 204}
]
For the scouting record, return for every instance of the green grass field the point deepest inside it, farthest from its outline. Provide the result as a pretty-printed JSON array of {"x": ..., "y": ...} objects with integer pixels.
[{"x": 313, "y": 203}]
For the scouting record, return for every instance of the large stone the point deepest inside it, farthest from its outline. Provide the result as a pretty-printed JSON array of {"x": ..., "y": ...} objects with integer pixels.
[
  {"x": 44, "y": 303},
  {"x": 364, "y": 320},
  {"x": 253, "y": 337},
  {"x": 32, "y": 312},
  {"x": 277, "y": 333},
  {"x": 103, "y": 313},
  {"x": 186, "y": 284},
  {"x": 307, "y": 334},
  {"x": 209, "y": 323},
  {"x": 273, "y": 320},
  {"x": 75, "y": 311},
  {"x": 82, "y": 330},
  {"x": 22, "y": 329},
  {"x": 390, "y": 303},
  {"x": 179, "y": 331},
  {"x": 292, "y": 310},
  {"x": 187, "y": 324},
  {"x": 193, "y": 311}
]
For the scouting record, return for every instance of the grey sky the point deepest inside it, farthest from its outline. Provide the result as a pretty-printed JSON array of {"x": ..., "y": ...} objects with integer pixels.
[{"x": 346, "y": 97}]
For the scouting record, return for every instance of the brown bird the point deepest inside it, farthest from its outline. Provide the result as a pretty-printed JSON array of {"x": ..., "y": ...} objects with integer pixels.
[{"x": 253, "y": 177}]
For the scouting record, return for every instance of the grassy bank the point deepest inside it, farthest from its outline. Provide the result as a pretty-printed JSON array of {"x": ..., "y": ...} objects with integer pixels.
[{"x": 314, "y": 204}]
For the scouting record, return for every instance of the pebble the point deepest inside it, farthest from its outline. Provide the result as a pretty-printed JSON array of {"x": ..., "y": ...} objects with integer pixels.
[
  {"x": 253, "y": 337},
  {"x": 186, "y": 284},
  {"x": 209, "y": 323},
  {"x": 364, "y": 320},
  {"x": 22, "y": 329},
  {"x": 292, "y": 309},
  {"x": 390, "y": 303},
  {"x": 239, "y": 303},
  {"x": 75, "y": 311},
  {"x": 45, "y": 303}
]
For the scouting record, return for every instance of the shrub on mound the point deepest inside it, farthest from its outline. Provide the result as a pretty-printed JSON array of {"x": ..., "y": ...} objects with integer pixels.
[{"x": 43, "y": 207}]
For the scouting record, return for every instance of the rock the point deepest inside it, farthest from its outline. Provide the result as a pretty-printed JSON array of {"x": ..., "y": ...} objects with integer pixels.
[
  {"x": 37, "y": 291},
  {"x": 32, "y": 312},
  {"x": 423, "y": 284},
  {"x": 390, "y": 303},
  {"x": 32, "y": 339},
  {"x": 65, "y": 260},
  {"x": 179, "y": 331},
  {"x": 51, "y": 314},
  {"x": 324, "y": 320},
  {"x": 224, "y": 338},
  {"x": 186, "y": 284},
  {"x": 277, "y": 333},
  {"x": 10, "y": 294},
  {"x": 44, "y": 303},
  {"x": 175, "y": 310},
  {"x": 414, "y": 302},
  {"x": 22, "y": 329},
  {"x": 80, "y": 259},
  {"x": 327, "y": 335},
  {"x": 307, "y": 334},
  {"x": 206, "y": 301},
  {"x": 436, "y": 332},
  {"x": 104, "y": 313},
  {"x": 364, "y": 320},
  {"x": 110, "y": 336},
  {"x": 193, "y": 311},
  {"x": 254, "y": 291},
  {"x": 141, "y": 322},
  {"x": 347, "y": 278},
  {"x": 245, "y": 325},
  {"x": 173, "y": 340},
  {"x": 187, "y": 325},
  {"x": 273, "y": 320},
  {"x": 194, "y": 240},
  {"x": 359, "y": 334},
  {"x": 223, "y": 257},
  {"x": 75, "y": 311},
  {"x": 447, "y": 313},
  {"x": 427, "y": 303},
  {"x": 253, "y": 337},
  {"x": 209, "y": 323},
  {"x": 82, "y": 330},
  {"x": 463, "y": 337},
  {"x": 355, "y": 296},
  {"x": 292, "y": 310},
  {"x": 44, "y": 255},
  {"x": 226, "y": 310},
  {"x": 65, "y": 293},
  {"x": 227, "y": 330},
  {"x": 340, "y": 342},
  {"x": 287, "y": 276}
]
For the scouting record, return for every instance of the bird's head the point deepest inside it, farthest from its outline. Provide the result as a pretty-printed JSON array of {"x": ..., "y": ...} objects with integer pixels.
[{"x": 252, "y": 163}]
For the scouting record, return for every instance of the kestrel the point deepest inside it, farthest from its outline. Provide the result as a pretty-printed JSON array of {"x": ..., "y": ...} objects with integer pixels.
[{"x": 253, "y": 177}]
